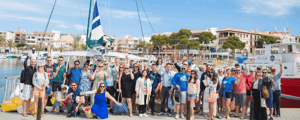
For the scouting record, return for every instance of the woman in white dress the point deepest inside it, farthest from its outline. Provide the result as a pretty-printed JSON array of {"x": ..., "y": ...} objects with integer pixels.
[{"x": 211, "y": 83}]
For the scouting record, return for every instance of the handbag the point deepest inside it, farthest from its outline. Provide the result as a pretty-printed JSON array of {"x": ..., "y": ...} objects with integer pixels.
[
  {"x": 88, "y": 112},
  {"x": 265, "y": 91},
  {"x": 212, "y": 98},
  {"x": 170, "y": 103},
  {"x": 120, "y": 109}
]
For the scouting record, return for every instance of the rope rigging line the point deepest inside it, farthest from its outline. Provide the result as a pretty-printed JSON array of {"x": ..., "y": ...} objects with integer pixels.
[
  {"x": 137, "y": 7},
  {"x": 81, "y": 16},
  {"x": 48, "y": 22},
  {"x": 147, "y": 16}
]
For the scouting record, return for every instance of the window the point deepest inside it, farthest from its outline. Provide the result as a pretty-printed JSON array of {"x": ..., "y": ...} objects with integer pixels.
[
  {"x": 124, "y": 49},
  {"x": 251, "y": 44},
  {"x": 251, "y": 48},
  {"x": 246, "y": 35},
  {"x": 246, "y": 42},
  {"x": 250, "y": 36}
]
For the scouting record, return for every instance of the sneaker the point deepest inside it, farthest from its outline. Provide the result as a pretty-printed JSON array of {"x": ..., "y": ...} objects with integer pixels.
[
  {"x": 182, "y": 116},
  {"x": 176, "y": 116},
  {"x": 45, "y": 110},
  {"x": 159, "y": 114},
  {"x": 140, "y": 115},
  {"x": 61, "y": 111},
  {"x": 145, "y": 115},
  {"x": 170, "y": 115},
  {"x": 152, "y": 113},
  {"x": 58, "y": 113},
  {"x": 271, "y": 118},
  {"x": 111, "y": 111}
]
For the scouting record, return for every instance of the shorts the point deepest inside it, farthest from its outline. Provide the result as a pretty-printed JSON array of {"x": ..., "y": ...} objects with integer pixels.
[
  {"x": 240, "y": 99},
  {"x": 229, "y": 94},
  {"x": 38, "y": 92},
  {"x": 27, "y": 92},
  {"x": 48, "y": 90},
  {"x": 248, "y": 93},
  {"x": 182, "y": 97},
  {"x": 192, "y": 95},
  {"x": 56, "y": 86},
  {"x": 111, "y": 90}
]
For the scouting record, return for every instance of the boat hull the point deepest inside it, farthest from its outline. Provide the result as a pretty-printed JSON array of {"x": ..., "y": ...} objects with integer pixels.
[{"x": 290, "y": 97}]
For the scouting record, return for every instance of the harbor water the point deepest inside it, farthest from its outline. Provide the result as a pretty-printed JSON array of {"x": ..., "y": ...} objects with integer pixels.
[{"x": 10, "y": 67}]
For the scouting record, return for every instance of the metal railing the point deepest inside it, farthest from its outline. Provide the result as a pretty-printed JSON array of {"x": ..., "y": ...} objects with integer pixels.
[{"x": 11, "y": 84}]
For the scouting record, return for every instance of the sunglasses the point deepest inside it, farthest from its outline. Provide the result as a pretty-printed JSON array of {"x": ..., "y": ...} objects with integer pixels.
[
  {"x": 193, "y": 73},
  {"x": 76, "y": 64},
  {"x": 183, "y": 68},
  {"x": 49, "y": 60},
  {"x": 136, "y": 66},
  {"x": 184, "y": 64},
  {"x": 73, "y": 85},
  {"x": 189, "y": 71},
  {"x": 126, "y": 68},
  {"x": 102, "y": 86},
  {"x": 121, "y": 67},
  {"x": 100, "y": 66},
  {"x": 264, "y": 72},
  {"x": 40, "y": 66},
  {"x": 105, "y": 64},
  {"x": 60, "y": 60}
]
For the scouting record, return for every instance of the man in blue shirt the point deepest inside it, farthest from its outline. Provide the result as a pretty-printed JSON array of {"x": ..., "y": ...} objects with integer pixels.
[
  {"x": 74, "y": 72},
  {"x": 166, "y": 86},
  {"x": 72, "y": 94},
  {"x": 180, "y": 82},
  {"x": 155, "y": 79},
  {"x": 277, "y": 88}
]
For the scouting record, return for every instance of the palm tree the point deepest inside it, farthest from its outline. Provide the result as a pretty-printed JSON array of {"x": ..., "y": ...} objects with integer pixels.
[
  {"x": 82, "y": 46},
  {"x": 51, "y": 47},
  {"x": 10, "y": 44},
  {"x": 75, "y": 44},
  {"x": 61, "y": 48}
]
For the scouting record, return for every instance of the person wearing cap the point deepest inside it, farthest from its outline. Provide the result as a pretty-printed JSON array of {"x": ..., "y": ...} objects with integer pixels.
[
  {"x": 74, "y": 72},
  {"x": 269, "y": 83},
  {"x": 180, "y": 82},
  {"x": 277, "y": 88},
  {"x": 227, "y": 89},
  {"x": 34, "y": 54},
  {"x": 60, "y": 97},
  {"x": 249, "y": 79},
  {"x": 237, "y": 66},
  {"x": 240, "y": 91},
  {"x": 258, "y": 69}
]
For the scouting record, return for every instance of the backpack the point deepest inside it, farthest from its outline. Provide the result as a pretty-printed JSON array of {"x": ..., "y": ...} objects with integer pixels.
[
  {"x": 23, "y": 76},
  {"x": 46, "y": 68}
]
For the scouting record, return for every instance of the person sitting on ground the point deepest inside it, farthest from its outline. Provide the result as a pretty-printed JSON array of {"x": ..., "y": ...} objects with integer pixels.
[
  {"x": 72, "y": 105},
  {"x": 60, "y": 97}
]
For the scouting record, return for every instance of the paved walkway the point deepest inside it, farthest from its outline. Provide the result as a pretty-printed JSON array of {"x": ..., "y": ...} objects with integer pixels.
[{"x": 286, "y": 114}]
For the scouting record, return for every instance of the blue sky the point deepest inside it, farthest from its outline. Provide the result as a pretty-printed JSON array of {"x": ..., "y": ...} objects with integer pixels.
[{"x": 120, "y": 18}]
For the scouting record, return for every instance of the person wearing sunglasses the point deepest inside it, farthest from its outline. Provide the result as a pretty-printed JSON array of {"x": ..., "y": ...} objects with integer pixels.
[
  {"x": 269, "y": 82},
  {"x": 59, "y": 75},
  {"x": 155, "y": 79},
  {"x": 136, "y": 72},
  {"x": 260, "y": 111},
  {"x": 73, "y": 105},
  {"x": 211, "y": 83},
  {"x": 49, "y": 70},
  {"x": 40, "y": 81},
  {"x": 74, "y": 72},
  {"x": 116, "y": 81},
  {"x": 240, "y": 91},
  {"x": 143, "y": 91},
  {"x": 125, "y": 84},
  {"x": 85, "y": 82},
  {"x": 28, "y": 86},
  {"x": 180, "y": 82},
  {"x": 100, "y": 106},
  {"x": 220, "y": 98},
  {"x": 110, "y": 82},
  {"x": 193, "y": 91},
  {"x": 227, "y": 89},
  {"x": 99, "y": 77}
]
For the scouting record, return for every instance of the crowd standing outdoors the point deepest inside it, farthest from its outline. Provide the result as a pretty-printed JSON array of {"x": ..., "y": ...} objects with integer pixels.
[{"x": 143, "y": 85}]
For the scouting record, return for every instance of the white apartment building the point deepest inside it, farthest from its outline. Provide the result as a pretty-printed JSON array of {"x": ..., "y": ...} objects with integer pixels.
[
  {"x": 31, "y": 39},
  {"x": 56, "y": 35},
  {"x": 7, "y": 35}
]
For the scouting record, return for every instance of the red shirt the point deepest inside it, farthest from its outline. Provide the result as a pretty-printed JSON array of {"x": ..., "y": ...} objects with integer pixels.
[
  {"x": 241, "y": 88},
  {"x": 249, "y": 80}
]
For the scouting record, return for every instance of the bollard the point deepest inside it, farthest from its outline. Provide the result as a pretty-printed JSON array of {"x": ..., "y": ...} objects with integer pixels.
[
  {"x": 39, "y": 111},
  {"x": 188, "y": 114}
]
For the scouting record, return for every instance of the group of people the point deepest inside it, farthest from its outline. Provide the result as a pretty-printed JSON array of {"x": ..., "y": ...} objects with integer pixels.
[{"x": 142, "y": 85}]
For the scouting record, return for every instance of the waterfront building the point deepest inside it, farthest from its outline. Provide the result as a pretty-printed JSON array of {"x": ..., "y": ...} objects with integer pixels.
[
  {"x": 20, "y": 36},
  {"x": 7, "y": 35},
  {"x": 31, "y": 39},
  {"x": 297, "y": 38}
]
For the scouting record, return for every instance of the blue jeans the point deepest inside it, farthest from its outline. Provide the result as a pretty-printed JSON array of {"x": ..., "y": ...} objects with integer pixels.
[
  {"x": 56, "y": 105},
  {"x": 193, "y": 95}
]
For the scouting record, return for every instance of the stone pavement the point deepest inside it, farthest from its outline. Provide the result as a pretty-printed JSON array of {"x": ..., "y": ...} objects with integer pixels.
[{"x": 286, "y": 114}]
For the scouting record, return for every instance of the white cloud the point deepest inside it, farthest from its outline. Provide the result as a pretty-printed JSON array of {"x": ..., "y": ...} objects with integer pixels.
[
  {"x": 269, "y": 7},
  {"x": 62, "y": 26},
  {"x": 131, "y": 14},
  {"x": 18, "y": 6},
  {"x": 80, "y": 27}
]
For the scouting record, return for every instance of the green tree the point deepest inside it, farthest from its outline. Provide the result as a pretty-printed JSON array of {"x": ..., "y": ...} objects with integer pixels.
[
  {"x": 10, "y": 44},
  {"x": 144, "y": 45},
  {"x": 183, "y": 39},
  {"x": 20, "y": 44},
  {"x": 159, "y": 40},
  {"x": 3, "y": 42},
  {"x": 61, "y": 48},
  {"x": 75, "y": 44},
  {"x": 82, "y": 46},
  {"x": 233, "y": 43},
  {"x": 206, "y": 37},
  {"x": 37, "y": 47},
  {"x": 266, "y": 38},
  {"x": 51, "y": 47}
]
